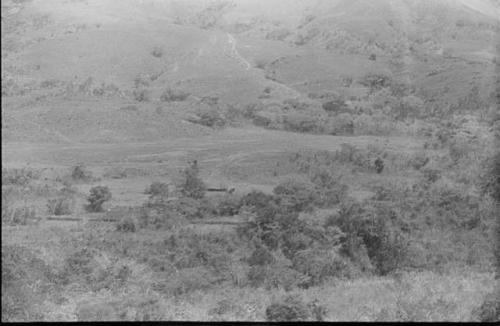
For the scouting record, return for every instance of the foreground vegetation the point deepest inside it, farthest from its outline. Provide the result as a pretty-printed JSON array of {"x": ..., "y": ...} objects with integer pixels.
[{"x": 423, "y": 250}]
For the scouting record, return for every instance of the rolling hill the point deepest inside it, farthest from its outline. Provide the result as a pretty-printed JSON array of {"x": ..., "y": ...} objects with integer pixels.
[{"x": 63, "y": 56}]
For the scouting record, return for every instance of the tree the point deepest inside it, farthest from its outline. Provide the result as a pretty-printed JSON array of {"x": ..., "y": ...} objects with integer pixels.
[
  {"x": 98, "y": 196},
  {"x": 192, "y": 185}
]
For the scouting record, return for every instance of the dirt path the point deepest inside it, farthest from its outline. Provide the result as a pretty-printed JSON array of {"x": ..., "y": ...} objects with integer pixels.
[{"x": 234, "y": 52}]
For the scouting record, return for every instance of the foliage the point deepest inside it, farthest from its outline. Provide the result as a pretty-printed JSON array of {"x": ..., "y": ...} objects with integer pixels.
[
  {"x": 26, "y": 284},
  {"x": 60, "y": 206},
  {"x": 97, "y": 197},
  {"x": 141, "y": 95},
  {"x": 288, "y": 309},
  {"x": 369, "y": 226},
  {"x": 80, "y": 173},
  {"x": 157, "y": 52},
  {"x": 127, "y": 224},
  {"x": 375, "y": 81},
  {"x": 298, "y": 195},
  {"x": 489, "y": 311},
  {"x": 192, "y": 185},
  {"x": 20, "y": 177},
  {"x": 157, "y": 189},
  {"x": 171, "y": 95},
  {"x": 300, "y": 122},
  {"x": 211, "y": 118}
]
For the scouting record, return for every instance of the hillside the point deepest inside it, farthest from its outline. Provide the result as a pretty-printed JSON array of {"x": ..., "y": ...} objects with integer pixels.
[{"x": 233, "y": 50}]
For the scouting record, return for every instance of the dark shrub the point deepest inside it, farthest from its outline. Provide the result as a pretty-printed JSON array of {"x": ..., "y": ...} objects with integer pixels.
[
  {"x": 319, "y": 265},
  {"x": 257, "y": 199},
  {"x": 336, "y": 106},
  {"x": 170, "y": 95},
  {"x": 27, "y": 281},
  {"x": 20, "y": 177},
  {"x": 98, "y": 196},
  {"x": 261, "y": 256},
  {"x": 192, "y": 185},
  {"x": 297, "y": 195},
  {"x": 375, "y": 81},
  {"x": 377, "y": 229},
  {"x": 127, "y": 224},
  {"x": 229, "y": 205},
  {"x": 419, "y": 160},
  {"x": 157, "y": 189},
  {"x": 80, "y": 173},
  {"x": 289, "y": 309},
  {"x": 211, "y": 118},
  {"x": 60, "y": 206},
  {"x": 141, "y": 95},
  {"x": 157, "y": 52},
  {"x": 489, "y": 311},
  {"x": 330, "y": 190}
]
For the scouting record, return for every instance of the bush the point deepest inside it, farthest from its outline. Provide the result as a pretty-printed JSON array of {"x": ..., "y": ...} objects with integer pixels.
[
  {"x": 141, "y": 95},
  {"x": 336, "y": 106},
  {"x": 18, "y": 215},
  {"x": 60, "y": 206},
  {"x": 19, "y": 177},
  {"x": 319, "y": 265},
  {"x": 375, "y": 81},
  {"x": 157, "y": 189},
  {"x": 489, "y": 311},
  {"x": 26, "y": 284},
  {"x": 297, "y": 195},
  {"x": 211, "y": 118},
  {"x": 419, "y": 160},
  {"x": 289, "y": 309},
  {"x": 192, "y": 185},
  {"x": 80, "y": 173},
  {"x": 300, "y": 122},
  {"x": 127, "y": 224},
  {"x": 170, "y": 95},
  {"x": 368, "y": 226},
  {"x": 157, "y": 52},
  {"x": 229, "y": 205},
  {"x": 98, "y": 196},
  {"x": 330, "y": 190}
]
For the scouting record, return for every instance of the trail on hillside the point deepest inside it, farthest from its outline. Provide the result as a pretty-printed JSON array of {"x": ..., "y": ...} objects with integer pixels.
[{"x": 234, "y": 52}]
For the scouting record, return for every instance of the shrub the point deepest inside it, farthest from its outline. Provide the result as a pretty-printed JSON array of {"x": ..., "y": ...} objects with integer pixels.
[
  {"x": 19, "y": 215},
  {"x": 375, "y": 81},
  {"x": 229, "y": 205},
  {"x": 369, "y": 226},
  {"x": 171, "y": 95},
  {"x": 288, "y": 309},
  {"x": 419, "y": 160},
  {"x": 141, "y": 95},
  {"x": 192, "y": 185},
  {"x": 319, "y": 265},
  {"x": 60, "y": 206},
  {"x": 127, "y": 224},
  {"x": 157, "y": 189},
  {"x": 98, "y": 196},
  {"x": 489, "y": 311},
  {"x": 300, "y": 122},
  {"x": 26, "y": 284},
  {"x": 157, "y": 52},
  {"x": 80, "y": 173},
  {"x": 330, "y": 190},
  {"x": 336, "y": 106},
  {"x": 297, "y": 195},
  {"x": 211, "y": 118},
  {"x": 20, "y": 177}
]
